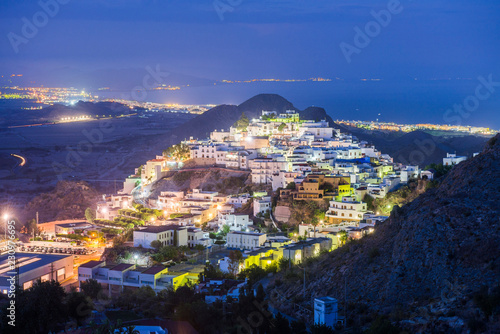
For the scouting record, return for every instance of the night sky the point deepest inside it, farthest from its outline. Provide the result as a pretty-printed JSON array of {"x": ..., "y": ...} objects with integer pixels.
[{"x": 425, "y": 39}]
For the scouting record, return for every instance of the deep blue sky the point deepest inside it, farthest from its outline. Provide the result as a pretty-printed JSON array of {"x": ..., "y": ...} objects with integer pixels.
[{"x": 258, "y": 39}]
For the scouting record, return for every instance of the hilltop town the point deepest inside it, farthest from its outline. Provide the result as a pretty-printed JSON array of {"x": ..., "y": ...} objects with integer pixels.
[{"x": 265, "y": 195}]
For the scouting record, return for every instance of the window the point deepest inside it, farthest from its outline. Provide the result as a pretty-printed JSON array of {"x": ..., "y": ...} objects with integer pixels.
[{"x": 27, "y": 285}]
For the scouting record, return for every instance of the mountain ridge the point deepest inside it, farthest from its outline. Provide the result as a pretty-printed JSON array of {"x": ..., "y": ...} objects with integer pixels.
[{"x": 224, "y": 116}]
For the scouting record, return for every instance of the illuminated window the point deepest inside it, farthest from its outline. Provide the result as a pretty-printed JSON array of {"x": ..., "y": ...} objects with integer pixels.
[{"x": 27, "y": 285}]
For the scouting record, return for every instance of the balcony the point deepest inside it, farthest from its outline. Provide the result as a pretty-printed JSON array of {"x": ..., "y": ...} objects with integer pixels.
[{"x": 100, "y": 277}]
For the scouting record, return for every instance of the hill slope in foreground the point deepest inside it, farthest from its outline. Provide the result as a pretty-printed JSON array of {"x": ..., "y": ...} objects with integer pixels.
[{"x": 433, "y": 264}]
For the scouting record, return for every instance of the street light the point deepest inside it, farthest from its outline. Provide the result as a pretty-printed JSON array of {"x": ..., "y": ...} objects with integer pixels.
[{"x": 136, "y": 257}]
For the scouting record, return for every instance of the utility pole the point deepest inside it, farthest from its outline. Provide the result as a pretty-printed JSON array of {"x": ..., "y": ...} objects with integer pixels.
[
  {"x": 345, "y": 300},
  {"x": 304, "y": 282}
]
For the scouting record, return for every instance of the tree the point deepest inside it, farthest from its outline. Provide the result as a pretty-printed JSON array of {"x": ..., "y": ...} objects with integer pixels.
[
  {"x": 78, "y": 306},
  {"x": 281, "y": 127},
  {"x": 298, "y": 327},
  {"x": 242, "y": 123},
  {"x": 343, "y": 237},
  {"x": 89, "y": 215},
  {"x": 291, "y": 185},
  {"x": 281, "y": 325},
  {"x": 91, "y": 288},
  {"x": 225, "y": 230},
  {"x": 260, "y": 295},
  {"x": 31, "y": 227},
  {"x": 318, "y": 218},
  {"x": 322, "y": 329},
  {"x": 41, "y": 308},
  {"x": 156, "y": 244},
  {"x": 235, "y": 259},
  {"x": 177, "y": 152}
]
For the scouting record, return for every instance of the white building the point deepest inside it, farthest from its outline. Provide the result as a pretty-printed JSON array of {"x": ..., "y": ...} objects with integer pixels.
[
  {"x": 264, "y": 168},
  {"x": 168, "y": 235},
  {"x": 453, "y": 159},
  {"x": 283, "y": 178},
  {"x": 317, "y": 129},
  {"x": 245, "y": 240},
  {"x": 427, "y": 174},
  {"x": 154, "y": 170},
  {"x": 170, "y": 200},
  {"x": 124, "y": 274},
  {"x": 196, "y": 236},
  {"x": 261, "y": 205},
  {"x": 346, "y": 210},
  {"x": 238, "y": 200},
  {"x": 33, "y": 267},
  {"x": 220, "y": 136},
  {"x": 326, "y": 311},
  {"x": 409, "y": 172},
  {"x": 236, "y": 222}
]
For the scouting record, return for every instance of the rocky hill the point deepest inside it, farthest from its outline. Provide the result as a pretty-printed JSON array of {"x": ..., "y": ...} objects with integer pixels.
[
  {"x": 223, "y": 116},
  {"x": 210, "y": 179},
  {"x": 418, "y": 147},
  {"x": 67, "y": 201},
  {"x": 432, "y": 266}
]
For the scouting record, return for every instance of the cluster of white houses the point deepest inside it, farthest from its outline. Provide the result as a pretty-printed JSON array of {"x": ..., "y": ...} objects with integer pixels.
[{"x": 304, "y": 160}]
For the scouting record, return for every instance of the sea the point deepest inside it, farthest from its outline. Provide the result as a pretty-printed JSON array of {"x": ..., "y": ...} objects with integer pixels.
[{"x": 411, "y": 101}]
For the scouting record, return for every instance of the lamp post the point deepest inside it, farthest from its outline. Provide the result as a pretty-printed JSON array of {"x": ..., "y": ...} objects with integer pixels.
[{"x": 136, "y": 257}]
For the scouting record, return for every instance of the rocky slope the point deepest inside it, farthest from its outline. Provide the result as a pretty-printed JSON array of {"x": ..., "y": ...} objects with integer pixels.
[
  {"x": 223, "y": 116},
  {"x": 212, "y": 179},
  {"x": 67, "y": 201},
  {"x": 427, "y": 261}
]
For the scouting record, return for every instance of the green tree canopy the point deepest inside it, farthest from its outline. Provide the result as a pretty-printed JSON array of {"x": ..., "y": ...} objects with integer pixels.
[
  {"x": 90, "y": 215},
  {"x": 242, "y": 123},
  {"x": 91, "y": 288}
]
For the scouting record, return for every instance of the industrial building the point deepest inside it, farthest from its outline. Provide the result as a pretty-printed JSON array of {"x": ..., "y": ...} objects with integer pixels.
[{"x": 32, "y": 267}]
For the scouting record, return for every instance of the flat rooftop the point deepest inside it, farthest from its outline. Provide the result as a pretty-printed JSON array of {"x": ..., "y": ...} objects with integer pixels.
[
  {"x": 121, "y": 267},
  {"x": 76, "y": 224},
  {"x": 246, "y": 233},
  {"x": 91, "y": 264},
  {"x": 154, "y": 270},
  {"x": 162, "y": 228},
  {"x": 26, "y": 262}
]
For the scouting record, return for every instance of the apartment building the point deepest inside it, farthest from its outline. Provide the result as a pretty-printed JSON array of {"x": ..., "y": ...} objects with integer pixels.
[
  {"x": 244, "y": 240},
  {"x": 264, "y": 168},
  {"x": 346, "y": 210},
  {"x": 168, "y": 235}
]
